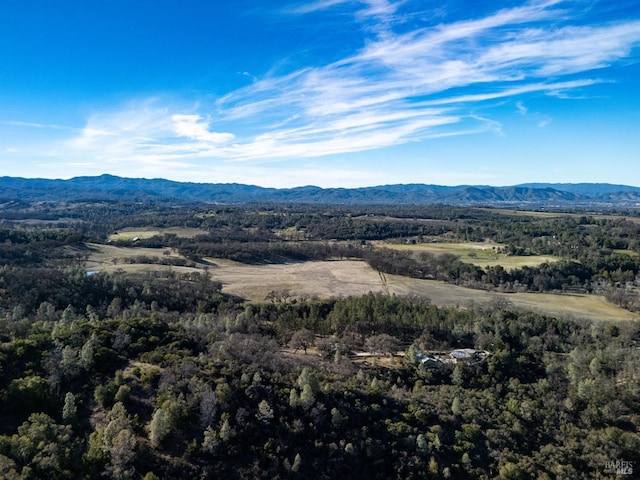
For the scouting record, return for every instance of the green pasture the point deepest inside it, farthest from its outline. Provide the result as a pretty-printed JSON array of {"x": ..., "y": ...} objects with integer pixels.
[{"x": 482, "y": 254}]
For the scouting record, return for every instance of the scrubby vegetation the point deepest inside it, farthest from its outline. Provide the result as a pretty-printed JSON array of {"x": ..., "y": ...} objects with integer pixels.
[{"x": 160, "y": 374}]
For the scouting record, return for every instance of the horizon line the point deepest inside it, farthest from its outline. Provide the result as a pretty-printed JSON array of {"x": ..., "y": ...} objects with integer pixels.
[{"x": 533, "y": 184}]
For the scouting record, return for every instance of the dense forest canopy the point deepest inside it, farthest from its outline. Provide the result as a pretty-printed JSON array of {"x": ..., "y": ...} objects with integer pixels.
[{"x": 160, "y": 373}]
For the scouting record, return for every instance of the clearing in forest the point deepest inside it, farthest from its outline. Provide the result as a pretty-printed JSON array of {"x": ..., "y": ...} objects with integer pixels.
[
  {"x": 591, "y": 307},
  {"x": 482, "y": 254},
  {"x": 342, "y": 278},
  {"x": 548, "y": 214},
  {"x": 314, "y": 278},
  {"x": 109, "y": 258},
  {"x": 129, "y": 233}
]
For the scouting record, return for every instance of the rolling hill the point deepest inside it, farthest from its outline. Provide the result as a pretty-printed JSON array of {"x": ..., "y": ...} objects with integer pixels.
[{"x": 109, "y": 187}]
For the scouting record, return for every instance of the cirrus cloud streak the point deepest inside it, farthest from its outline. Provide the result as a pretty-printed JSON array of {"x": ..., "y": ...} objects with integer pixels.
[{"x": 407, "y": 83}]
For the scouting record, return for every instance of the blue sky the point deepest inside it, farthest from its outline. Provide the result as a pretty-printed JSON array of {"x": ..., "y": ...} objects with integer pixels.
[{"x": 335, "y": 93}]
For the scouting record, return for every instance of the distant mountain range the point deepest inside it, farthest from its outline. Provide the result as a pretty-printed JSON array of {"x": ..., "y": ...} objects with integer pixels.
[{"x": 109, "y": 187}]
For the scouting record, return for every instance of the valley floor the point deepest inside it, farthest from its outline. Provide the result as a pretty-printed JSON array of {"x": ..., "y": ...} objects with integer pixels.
[{"x": 341, "y": 278}]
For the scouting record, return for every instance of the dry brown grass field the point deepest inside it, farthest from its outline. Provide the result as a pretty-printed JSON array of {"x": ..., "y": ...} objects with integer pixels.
[
  {"x": 109, "y": 258},
  {"x": 592, "y": 307},
  {"x": 320, "y": 278},
  {"x": 148, "y": 232},
  {"x": 326, "y": 279}
]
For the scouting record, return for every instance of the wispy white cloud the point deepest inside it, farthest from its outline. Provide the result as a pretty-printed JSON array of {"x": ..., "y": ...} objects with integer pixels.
[
  {"x": 564, "y": 51},
  {"x": 544, "y": 122},
  {"x": 542, "y": 119},
  {"x": 380, "y": 8},
  {"x": 363, "y": 8},
  {"x": 317, "y": 6},
  {"x": 19, "y": 123},
  {"x": 423, "y": 81},
  {"x": 142, "y": 133},
  {"x": 554, "y": 89}
]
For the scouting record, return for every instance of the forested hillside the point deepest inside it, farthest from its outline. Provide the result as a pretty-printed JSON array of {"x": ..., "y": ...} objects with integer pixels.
[
  {"x": 159, "y": 373},
  {"x": 109, "y": 187}
]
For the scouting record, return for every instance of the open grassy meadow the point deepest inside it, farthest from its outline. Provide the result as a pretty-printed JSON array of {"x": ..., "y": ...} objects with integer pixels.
[
  {"x": 535, "y": 214},
  {"x": 316, "y": 278},
  {"x": 109, "y": 258},
  {"x": 129, "y": 233},
  {"x": 590, "y": 307},
  {"x": 482, "y": 254},
  {"x": 349, "y": 277}
]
